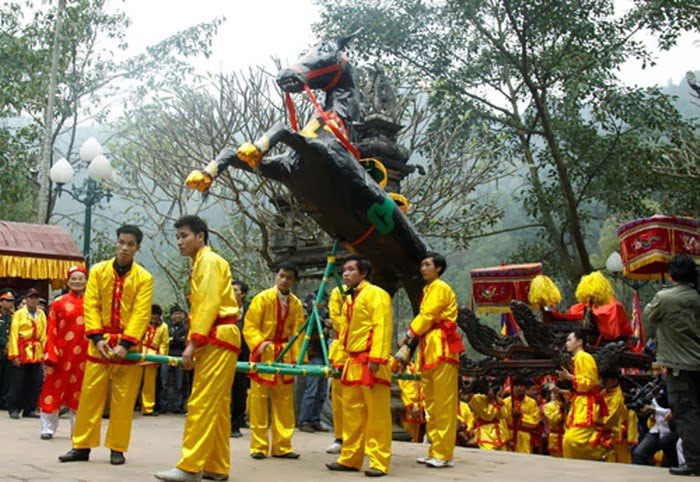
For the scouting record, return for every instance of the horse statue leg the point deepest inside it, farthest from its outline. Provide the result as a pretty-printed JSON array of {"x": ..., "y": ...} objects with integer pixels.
[{"x": 249, "y": 156}]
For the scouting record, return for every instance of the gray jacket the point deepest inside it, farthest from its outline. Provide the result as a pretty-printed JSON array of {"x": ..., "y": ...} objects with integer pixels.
[{"x": 673, "y": 317}]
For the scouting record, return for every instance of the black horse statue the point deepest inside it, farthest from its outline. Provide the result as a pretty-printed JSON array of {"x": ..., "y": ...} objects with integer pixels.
[{"x": 323, "y": 172}]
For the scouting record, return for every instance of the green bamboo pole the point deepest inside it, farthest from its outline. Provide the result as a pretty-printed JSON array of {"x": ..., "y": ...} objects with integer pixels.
[
  {"x": 269, "y": 368},
  {"x": 330, "y": 265}
]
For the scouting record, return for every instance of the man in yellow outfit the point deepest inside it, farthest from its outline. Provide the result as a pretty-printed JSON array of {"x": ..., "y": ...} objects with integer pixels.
[
  {"x": 554, "y": 413},
  {"x": 213, "y": 346},
  {"x": 156, "y": 341},
  {"x": 366, "y": 376},
  {"x": 490, "y": 417},
  {"x": 587, "y": 404},
  {"x": 337, "y": 357},
  {"x": 612, "y": 434},
  {"x": 438, "y": 360},
  {"x": 117, "y": 310},
  {"x": 522, "y": 416},
  {"x": 273, "y": 317},
  {"x": 465, "y": 419},
  {"x": 413, "y": 405},
  {"x": 25, "y": 350}
]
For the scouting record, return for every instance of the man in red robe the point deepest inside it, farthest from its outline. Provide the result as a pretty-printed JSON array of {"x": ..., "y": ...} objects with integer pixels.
[{"x": 66, "y": 351}]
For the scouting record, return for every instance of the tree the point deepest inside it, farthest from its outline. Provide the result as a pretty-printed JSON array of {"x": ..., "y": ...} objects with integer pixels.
[
  {"x": 90, "y": 80},
  {"x": 542, "y": 75}
]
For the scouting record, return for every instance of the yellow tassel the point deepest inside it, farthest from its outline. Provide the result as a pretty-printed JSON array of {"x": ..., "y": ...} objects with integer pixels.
[
  {"x": 594, "y": 289},
  {"x": 543, "y": 292}
]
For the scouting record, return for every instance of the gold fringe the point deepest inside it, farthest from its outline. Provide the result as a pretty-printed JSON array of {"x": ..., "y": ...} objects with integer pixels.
[{"x": 37, "y": 268}]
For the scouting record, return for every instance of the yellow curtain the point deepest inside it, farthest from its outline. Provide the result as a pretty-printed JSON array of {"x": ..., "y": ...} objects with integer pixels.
[{"x": 37, "y": 268}]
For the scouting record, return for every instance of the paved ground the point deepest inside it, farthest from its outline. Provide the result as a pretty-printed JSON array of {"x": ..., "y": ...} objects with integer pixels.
[{"x": 156, "y": 446}]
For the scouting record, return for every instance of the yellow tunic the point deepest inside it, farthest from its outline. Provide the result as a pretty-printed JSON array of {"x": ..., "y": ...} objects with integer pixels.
[
  {"x": 491, "y": 427},
  {"x": 213, "y": 317},
  {"x": 435, "y": 325},
  {"x": 367, "y": 336},
  {"x": 118, "y": 308},
  {"x": 27, "y": 336},
  {"x": 521, "y": 428},
  {"x": 466, "y": 416},
  {"x": 585, "y": 409},
  {"x": 265, "y": 321},
  {"x": 156, "y": 341},
  {"x": 366, "y": 395},
  {"x": 554, "y": 414},
  {"x": 611, "y": 434}
]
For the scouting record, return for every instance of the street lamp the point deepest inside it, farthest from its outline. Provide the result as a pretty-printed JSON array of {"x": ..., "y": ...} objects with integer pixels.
[{"x": 90, "y": 193}]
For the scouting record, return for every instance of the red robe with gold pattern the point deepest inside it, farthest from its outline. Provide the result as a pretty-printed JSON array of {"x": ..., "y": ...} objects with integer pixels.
[{"x": 66, "y": 351}]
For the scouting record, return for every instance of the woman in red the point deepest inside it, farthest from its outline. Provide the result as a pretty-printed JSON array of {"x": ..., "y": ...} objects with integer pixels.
[{"x": 66, "y": 349}]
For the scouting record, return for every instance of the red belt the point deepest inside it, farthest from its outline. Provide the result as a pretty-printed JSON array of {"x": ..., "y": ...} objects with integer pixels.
[
  {"x": 450, "y": 335},
  {"x": 367, "y": 377}
]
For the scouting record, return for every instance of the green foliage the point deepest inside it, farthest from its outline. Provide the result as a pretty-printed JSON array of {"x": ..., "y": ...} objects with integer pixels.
[{"x": 540, "y": 78}]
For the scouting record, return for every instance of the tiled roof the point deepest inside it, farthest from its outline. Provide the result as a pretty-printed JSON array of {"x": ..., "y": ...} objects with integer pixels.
[{"x": 37, "y": 240}]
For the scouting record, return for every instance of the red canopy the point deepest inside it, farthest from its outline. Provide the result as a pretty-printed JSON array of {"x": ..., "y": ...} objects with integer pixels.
[{"x": 494, "y": 288}]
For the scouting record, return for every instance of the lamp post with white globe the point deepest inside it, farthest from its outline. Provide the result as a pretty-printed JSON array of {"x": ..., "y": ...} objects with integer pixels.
[{"x": 91, "y": 192}]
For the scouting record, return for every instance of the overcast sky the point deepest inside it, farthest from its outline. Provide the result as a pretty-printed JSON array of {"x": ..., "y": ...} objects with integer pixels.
[{"x": 256, "y": 30}]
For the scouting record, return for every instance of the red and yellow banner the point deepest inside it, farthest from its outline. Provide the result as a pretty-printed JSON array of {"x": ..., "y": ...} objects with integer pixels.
[{"x": 648, "y": 244}]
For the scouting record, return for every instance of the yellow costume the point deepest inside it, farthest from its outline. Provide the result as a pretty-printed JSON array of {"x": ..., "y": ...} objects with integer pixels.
[
  {"x": 491, "y": 426},
  {"x": 584, "y": 414},
  {"x": 466, "y": 416},
  {"x": 156, "y": 341},
  {"x": 213, "y": 317},
  {"x": 366, "y": 394},
  {"x": 337, "y": 357},
  {"x": 554, "y": 414},
  {"x": 631, "y": 436},
  {"x": 27, "y": 336},
  {"x": 413, "y": 405},
  {"x": 521, "y": 427},
  {"x": 612, "y": 436},
  {"x": 438, "y": 355},
  {"x": 119, "y": 309},
  {"x": 267, "y": 320}
]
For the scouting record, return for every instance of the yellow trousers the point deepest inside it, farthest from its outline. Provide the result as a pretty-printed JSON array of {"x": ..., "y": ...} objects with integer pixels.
[
  {"x": 148, "y": 389},
  {"x": 524, "y": 443},
  {"x": 277, "y": 401},
  {"x": 88, "y": 419},
  {"x": 440, "y": 390},
  {"x": 577, "y": 444},
  {"x": 337, "y": 404},
  {"x": 366, "y": 426},
  {"x": 205, "y": 442},
  {"x": 620, "y": 454}
]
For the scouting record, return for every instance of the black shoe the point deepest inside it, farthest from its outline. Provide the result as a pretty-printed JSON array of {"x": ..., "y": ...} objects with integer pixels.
[
  {"x": 14, "y": 414},
  {"x": 151, "y": 414},
  {"x": 341, "y": 468},
  {"x": 116, "y": 458},
  {"x": 105, "y": 415},
  {"x": 63, "y": 411},
  {"x": 683, "y": 470},
  {"x": 75, "y": 455},
  {"x": 235, "y": 433},
  {"x": 30, "y": 414},
  {"x": 307, "y": 427},
  {"x": 372, "y": 472},
  {"x": 288, "y": 455},
  {"x": 179, "y": 411},
  {"x": 46, "y": 436},
  {"x": 258, "y": 455}
]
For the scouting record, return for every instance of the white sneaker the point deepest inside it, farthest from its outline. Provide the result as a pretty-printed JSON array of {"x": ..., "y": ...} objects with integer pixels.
[
  {"x": 422, "y": 460},
  {"x": 439, "y": 464},
  {"x": 333, "y": 448},
  {"x": 177, "y": 475}
]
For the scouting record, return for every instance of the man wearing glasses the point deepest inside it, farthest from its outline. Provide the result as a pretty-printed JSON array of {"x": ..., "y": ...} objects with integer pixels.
[{"x": 7, "y": 307}]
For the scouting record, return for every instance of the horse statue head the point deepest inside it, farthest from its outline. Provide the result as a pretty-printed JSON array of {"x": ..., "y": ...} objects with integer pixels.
[{"x": 326, "y": 67}]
